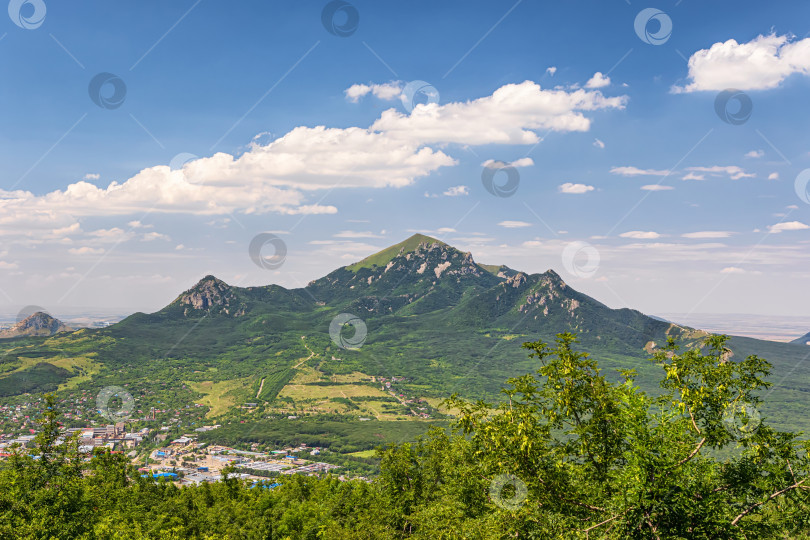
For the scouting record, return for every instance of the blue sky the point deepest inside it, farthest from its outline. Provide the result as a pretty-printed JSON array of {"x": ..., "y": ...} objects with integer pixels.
[{"x": 245, "y": 90}]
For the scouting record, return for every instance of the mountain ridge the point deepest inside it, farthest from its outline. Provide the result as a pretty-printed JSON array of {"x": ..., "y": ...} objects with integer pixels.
[{"x": 426, "y": 313}]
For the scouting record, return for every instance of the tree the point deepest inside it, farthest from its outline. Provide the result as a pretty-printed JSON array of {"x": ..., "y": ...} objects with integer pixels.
[
  {"x": 571, "y": 454},
  {"x": 42, "y": 486}
]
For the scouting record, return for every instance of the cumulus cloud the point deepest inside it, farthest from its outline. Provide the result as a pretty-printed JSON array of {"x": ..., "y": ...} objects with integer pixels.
[
  {"x": 635, "y": 171},
  {"x": 760, "y": 64},
  {"x": 575, "y": 189},
  {"x": 707, "y": 234},
  {"x": 514, "y": 224},
  {"x": 509, "y": 116},
  {"x": 598, "y": 81},
  {"x": 693, "y": 176},
  {"x": 788, "y": 226},
  {"x": 148, "y": 237},
  {"x": 773, "y": 176},
  {"x": 386, "y": 92},
  {"x": 551, "y": 70},
  {"x": 86, "y": 250},
  {"x": 456, "y": 191},
  {"x": 641, "y": 235},
  {"x": 522, "y": 162},
  {"x": 277, "y": 177},
  {"x": 92, "y": 176},
  {"x": 754, "y": 154},
  {"x": 732, "y": 270},
  {"x": 732, "y": 171}
]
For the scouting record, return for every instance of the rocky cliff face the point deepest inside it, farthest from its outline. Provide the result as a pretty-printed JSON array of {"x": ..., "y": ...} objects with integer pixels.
[
  {"x": 36, "y": 324},
  {"x": 212, "y": 295}
]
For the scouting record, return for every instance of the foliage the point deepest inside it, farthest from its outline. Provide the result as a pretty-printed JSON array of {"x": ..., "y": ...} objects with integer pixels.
[{"x": 568, "y": 454}]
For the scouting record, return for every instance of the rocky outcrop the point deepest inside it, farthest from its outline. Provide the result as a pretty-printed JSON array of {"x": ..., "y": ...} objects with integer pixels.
[
  {"x": 37, "y": 324},
  {"x": 212, "y": 295}
]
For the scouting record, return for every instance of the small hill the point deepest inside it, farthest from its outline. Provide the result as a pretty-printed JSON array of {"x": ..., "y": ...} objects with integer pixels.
[
  {"x": 804, "y": 340},
  {"x": 37, "y": 324}
]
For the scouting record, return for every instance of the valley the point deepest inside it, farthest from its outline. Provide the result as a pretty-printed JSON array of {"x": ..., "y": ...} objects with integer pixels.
[{"x": 261, "y": 362}]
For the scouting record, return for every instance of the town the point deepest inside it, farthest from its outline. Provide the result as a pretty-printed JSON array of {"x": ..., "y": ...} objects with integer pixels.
[{"x": 184, "y": 460}]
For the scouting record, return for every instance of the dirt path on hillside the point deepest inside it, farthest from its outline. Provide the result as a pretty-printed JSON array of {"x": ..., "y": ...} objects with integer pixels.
[{"x": 296, "y": 366}]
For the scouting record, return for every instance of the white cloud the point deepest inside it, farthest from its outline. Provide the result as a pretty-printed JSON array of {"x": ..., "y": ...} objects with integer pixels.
[
  {"x": 514, "y": 224},
  {"x": 635, "y": 171},
  {"x": 707, "y": 234},
  {"x": 773, "y": 176},
  {"x": 277, "y": 177},
  {"x": 599, "y": 144},
  {"x": 509, "y": 116},
  {"x": 762, "y": 63},
  {"x": 732, "y": 270},
  {"x": 456, "y": 191},
  {"x": 641, "y": 235},
  {"x": 693, "y": 176},
  {"x": 64, "y": 231},
  {"x": 551, "y": 70},
  {"x": 522, "y": 162},
  {"x": 733, "y": 172},
  {"x": 657, "y": 187},
  {"x": 8, "y": 266},
  {"x": 92, "y": 176},
  {"x": 787, "y": 226},
  {"x": 598, "y": 81},
  {"x": 85, "y": 251},
  {"x": 114, "y": 235},
  {"x": 357, "y": 234},
  {"x": 453, "y": 191},
  {"x": 755, "y": 154},
  {"x": 148, "y": 237},
  {"x": 387, "y": 91},
  {"x": 575, "y": 189}
]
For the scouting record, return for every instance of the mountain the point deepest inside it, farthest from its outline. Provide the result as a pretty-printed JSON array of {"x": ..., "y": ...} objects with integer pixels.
[
  {"x": 422, "y": 319},
  {"x": 804, "y": 340},
  {"x": 37, "y": 324}
]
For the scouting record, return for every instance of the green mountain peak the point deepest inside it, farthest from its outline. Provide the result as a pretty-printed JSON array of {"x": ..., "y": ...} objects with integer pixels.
[{"x": 381, "y": 258}]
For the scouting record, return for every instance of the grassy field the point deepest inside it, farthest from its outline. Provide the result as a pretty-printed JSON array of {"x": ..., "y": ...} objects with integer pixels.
[{"x": 220, "y": 396}]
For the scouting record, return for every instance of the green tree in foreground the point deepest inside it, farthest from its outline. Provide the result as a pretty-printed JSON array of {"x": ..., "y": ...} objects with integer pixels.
[
  {"x": 568, "y": 454},
  {"x": 579, "y": 456}
]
